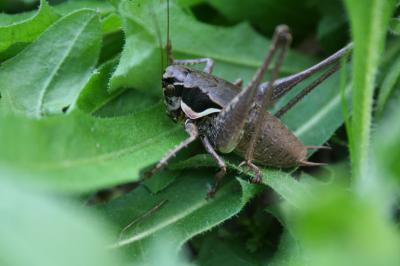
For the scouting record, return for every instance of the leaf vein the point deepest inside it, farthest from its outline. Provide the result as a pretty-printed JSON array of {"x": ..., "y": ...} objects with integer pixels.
[{"x": 50, "y": 79}]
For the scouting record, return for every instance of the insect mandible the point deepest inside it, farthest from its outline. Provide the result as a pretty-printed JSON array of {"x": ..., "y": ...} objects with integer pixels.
[{"x": 227, "y": 118}]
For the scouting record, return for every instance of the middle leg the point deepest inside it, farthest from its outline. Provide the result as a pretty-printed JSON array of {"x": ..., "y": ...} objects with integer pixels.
[
  {"x": 222, "y": 166},
  {"x": 208, "y": 61}
]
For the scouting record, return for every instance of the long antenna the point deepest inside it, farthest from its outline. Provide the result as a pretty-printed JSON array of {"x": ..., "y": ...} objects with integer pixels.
[
  {"x": 169, "y": 46},
  {"x": 158, "y": 32}
]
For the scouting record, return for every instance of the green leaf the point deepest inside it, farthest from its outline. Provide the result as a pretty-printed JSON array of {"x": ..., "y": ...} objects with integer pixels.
[
  {"x": 94, "y": 95},
  {"x": 111, "y": 23},
  {"x": 332, "y": 28},
  {"x": 102, "y": 7},
  {"x": 39, "y": 229},
  {"x": 329, "y": 231},
  {"x": 387, "y": 143},
  {"x": 215, "y": 251},
  {"x": 80, "y": 153},
  {"x": 112, "y": 47},
  {"x": 395, "y": 26},
  {"x": 291, "y": 190},
  {"x": 289, "y": 252},
  {"x": 189, "y": 2},
  {"x": 160, "y": 180},
  {"x": 8, "y": 19},
  {"x": 27, "y": 23},
  {"x": 127, "y": 103},
  {"x": 388, "y": 85},
  {"x": 25, "y": 29},
  {"x": 162, "y": 250},
  {"x": 54, "y": 68},
  {"x": 290, "y": 12},
  {"x": 181, "y": 208},
  {"x": 139, "y": 70},
  {"x": 369, "y": 22},
  {"x": 29, "y": 1}
]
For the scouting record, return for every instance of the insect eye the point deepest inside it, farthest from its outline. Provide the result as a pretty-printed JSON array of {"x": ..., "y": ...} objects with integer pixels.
[
  {"x": 169, "y": 90},
  {"x": 167, "y": 81}
]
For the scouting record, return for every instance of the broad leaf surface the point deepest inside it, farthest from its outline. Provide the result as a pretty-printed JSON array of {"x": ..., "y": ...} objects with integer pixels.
[
  {"x": 54, "y": 68},
  {"x": 95, "y": 98},
  {"x": 8, "y": 19},
  {"x": 102, "y": 7},
  {"x": 289, "y": 252},
  {"x": 27, "y": 29},
  {"x": 215, "y": 251},
  {"x": 128, "y": 102},
  {"x": 94, "y": 95},
  {"x": 328, "y": 231},
  {"x": 111, "y": 23},
  {"x": 80, "y": 153},
  {"x": 181, "y": 208},
  {"x": 288, "y": 188},
  {"x": 43, "y": 230},
  {"x": 266, "y": 15}
]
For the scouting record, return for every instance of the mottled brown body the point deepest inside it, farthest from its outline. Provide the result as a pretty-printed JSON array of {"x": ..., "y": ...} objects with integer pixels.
[{"x": 276, "y": 145}]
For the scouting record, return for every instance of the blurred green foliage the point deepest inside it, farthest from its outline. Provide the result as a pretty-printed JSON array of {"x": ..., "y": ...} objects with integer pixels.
[{"x": 81, "y": 118}]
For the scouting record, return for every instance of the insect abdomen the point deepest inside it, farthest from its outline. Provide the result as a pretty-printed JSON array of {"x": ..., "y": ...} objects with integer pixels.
[{"x": 276, "y": 145}]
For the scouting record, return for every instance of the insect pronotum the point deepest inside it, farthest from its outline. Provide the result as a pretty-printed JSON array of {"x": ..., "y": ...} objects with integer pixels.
[{"x": 227, "y": 118}]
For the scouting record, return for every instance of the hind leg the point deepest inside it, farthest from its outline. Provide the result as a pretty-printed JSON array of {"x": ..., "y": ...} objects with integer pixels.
[
  {"x": 231, "y": 120},
  {"x": 264, "y": 99}
]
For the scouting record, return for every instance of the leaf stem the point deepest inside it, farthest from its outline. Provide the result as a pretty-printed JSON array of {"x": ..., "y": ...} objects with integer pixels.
[{"x": 369, "y": 21}]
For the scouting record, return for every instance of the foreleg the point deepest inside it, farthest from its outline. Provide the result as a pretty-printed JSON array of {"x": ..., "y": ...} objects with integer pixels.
[{"x": 191, "y": 129}]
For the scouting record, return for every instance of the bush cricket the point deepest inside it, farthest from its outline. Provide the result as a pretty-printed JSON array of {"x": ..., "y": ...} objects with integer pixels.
[{"x": 227, "y": 118}]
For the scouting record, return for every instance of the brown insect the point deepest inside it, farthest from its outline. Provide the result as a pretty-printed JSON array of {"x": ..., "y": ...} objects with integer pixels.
[{"x": 229, "y": 119}]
